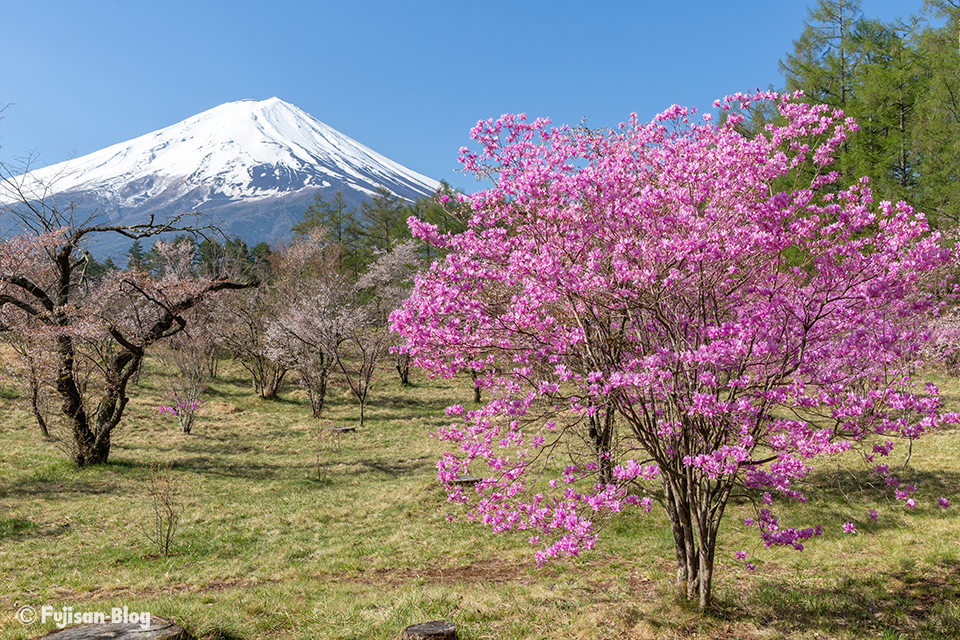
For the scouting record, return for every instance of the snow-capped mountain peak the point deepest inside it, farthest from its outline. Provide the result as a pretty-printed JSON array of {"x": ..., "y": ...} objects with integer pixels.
[
  {"x": 248, "y": 167},
  {"x": 244, "y": 150}
]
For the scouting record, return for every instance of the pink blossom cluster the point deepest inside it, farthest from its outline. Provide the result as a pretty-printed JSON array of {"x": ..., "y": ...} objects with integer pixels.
[
  {"x": 772, "y": 534},
  {"x": 742, "y": 555}
]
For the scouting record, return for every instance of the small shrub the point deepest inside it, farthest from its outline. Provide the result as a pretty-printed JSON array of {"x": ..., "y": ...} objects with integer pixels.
[{"x": 163, "y": 490}]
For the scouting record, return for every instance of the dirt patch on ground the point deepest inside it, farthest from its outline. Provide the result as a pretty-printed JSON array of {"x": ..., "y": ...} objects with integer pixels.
[
  {"x": 217, "y": 408},
  {"x": 72, "y": 596},
  {"x": 486, "y": 571},
  {"x": 482, "y": 571}
]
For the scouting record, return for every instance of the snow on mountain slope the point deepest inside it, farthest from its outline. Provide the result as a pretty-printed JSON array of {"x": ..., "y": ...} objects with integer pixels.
[
  {"x": 240, "y": 151},
  {"x": 249, "y": 168}
]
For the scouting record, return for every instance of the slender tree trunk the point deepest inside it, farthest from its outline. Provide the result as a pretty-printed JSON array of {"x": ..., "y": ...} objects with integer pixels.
[
  {"x": 476, "y": 387},
  {"x": 678, "y": 544},
  {"x": 600, "y": 432},
  {"x": 35, "y": 407},
  {"x": 186, "y": 421},
  {"x": 706, "y": 573},
  {"x": 212, "y": 363},
  {"x": 689, "y": 535},
  {"x": 695, "y": 509},
  {"x": 318, "y": 392},
  {"x": 403, "y": 368},
  {"x": 904, "y": 174}
]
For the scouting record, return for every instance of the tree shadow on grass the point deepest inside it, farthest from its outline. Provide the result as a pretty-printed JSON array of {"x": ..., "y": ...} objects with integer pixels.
[
  {"x": 204, "y": 464},
  {"x": 210, "y": 466},
  {"x": 396, "y": 401},
  {"x": 43, "y": 487},
  {"x": 215, "y": 443},
  {"x": 848, "y": 486},
  {"x": 20, "y": 529},
  {"x": 207, "y": 441},
  {"x": 391, "y": 469},
  {"x": 900, "y": 603},
  {"x": 397, "y": 468}
]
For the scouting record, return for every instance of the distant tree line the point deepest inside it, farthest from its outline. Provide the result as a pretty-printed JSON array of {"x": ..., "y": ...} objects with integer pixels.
[
  {"x": 361, "y": 235},
  {"x": 380, "y": 223}
]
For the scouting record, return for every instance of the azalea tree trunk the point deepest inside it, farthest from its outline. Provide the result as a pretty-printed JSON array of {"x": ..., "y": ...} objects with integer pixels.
[
  {"x": 695, "y": 507},
  {"x": 706, "y": 579},
  {"x": 476, "y": 387},
  {"x": 186, "y": 419},
  {"x": 600, "y": 431},
  {"x": 679, "y": 513}
]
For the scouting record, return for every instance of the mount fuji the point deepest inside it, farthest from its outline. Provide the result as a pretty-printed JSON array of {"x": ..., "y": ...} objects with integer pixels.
[{"x": 249, "y": 167}]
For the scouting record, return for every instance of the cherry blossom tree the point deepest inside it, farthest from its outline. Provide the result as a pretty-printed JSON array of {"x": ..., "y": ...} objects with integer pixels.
[
  {"x": 324, "y": 319},
  {"x": 386, "y": 284},
  {"x": 189, "y": 356},
  {"x": 29, "y": 370},
  {"x": 737, "y": 313},
  {"x": 241, "y": 329},
  {"x": 308, "y": 326},
  {"x": 301, "y": 338},
  {"x": 98, "y": 329},
  {"x": 365, "y": 343}
]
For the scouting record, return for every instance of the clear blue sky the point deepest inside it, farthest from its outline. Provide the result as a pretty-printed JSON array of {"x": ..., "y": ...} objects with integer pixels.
[{"x": 408, "y": 79}]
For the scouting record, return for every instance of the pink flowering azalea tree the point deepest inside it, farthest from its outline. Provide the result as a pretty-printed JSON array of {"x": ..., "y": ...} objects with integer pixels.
[{"x": 734, "y": 312}]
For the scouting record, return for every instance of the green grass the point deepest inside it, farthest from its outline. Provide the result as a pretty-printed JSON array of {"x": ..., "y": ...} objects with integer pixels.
[{"x": 271, "y": 546}]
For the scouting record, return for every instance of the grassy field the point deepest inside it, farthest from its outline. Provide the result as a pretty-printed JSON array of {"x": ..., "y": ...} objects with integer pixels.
[{"x": 276, "y": 543}]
